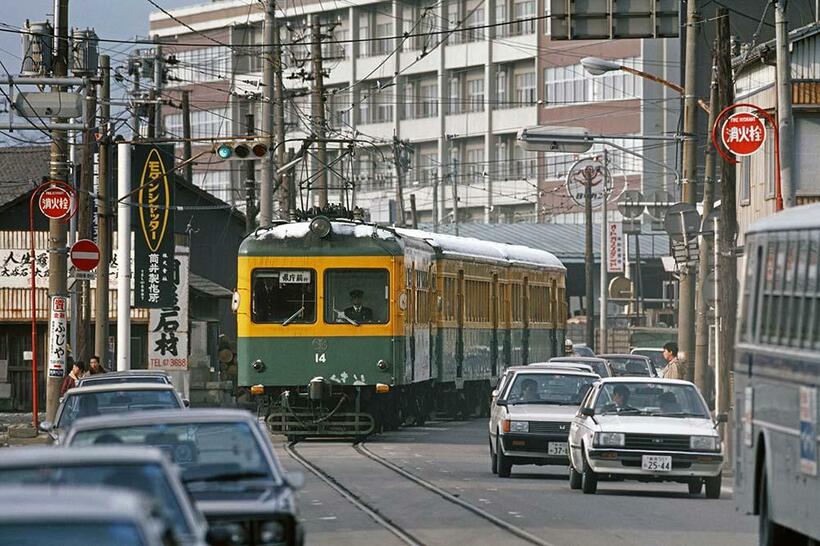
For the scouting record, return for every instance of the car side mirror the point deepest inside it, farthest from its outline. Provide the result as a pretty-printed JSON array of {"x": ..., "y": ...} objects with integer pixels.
[
  {"x": 501, "y": 403},
  {"x": 494, "y": 393},
  {"x": 46, "y": 426},
  {"x": 721, "y": 418},
  {"x": 296, "y": 480},
  {"x": 186, "y": 402},
  {"x": 587, "y": 412}
]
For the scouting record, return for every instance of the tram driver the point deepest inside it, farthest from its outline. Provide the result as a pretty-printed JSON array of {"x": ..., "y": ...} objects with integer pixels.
[{"x": 357, "y": 311}]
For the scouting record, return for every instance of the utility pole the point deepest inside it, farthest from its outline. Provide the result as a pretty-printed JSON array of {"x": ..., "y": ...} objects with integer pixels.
[
  {"x": 266, "y": 185},
  {"x": 602, "y": 346},
  {"x": 135, "y": 73},
  {"x": 103, "y": 216},
  {"x": 589, "y": 259},
  {"x": 785, "y": 120},
  {"x": 398, "y": 158},
  {"x": 705, "y": 250},
  {"x": 124, "y": 257},
  {"x": 58, "y": 170},
  {"x": 318, "y": 108},
  {"x": 727, "y": 271},
  {"x": 186, "y": 136},
  {"x": 250, "y": 183},
  {"x": 84, "y": 211},
  {"x": 285, "y": 194},
  {"x": 686, "y": 303},
  {"x": 435, "y": 201},
  {"x": 413, "y": 214},
  {"x": 454, "y": 178},
  {"x": 290, "y": 181},
  {"x": 159, "y": 64}
]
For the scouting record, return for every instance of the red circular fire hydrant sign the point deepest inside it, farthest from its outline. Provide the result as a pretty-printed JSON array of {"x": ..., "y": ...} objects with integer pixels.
[
  {"x": 55, "y": 203},
  {"x": 743, "y": 133}
]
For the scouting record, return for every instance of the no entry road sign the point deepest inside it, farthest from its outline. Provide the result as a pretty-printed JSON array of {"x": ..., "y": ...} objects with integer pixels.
[
  {"x": 743, "y": 133},
  {"x": 55, "y": 203},
  {"x": 85, "y": 255}
]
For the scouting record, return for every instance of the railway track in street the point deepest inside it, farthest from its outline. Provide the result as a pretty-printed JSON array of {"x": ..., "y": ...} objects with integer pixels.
[{"x": 368, "y": 497}]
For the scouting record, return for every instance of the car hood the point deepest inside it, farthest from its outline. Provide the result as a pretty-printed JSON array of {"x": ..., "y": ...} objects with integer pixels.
[
  {"x": 542, "y": 412},
  {"x": 641, "y": 424},
  {"x": 251, "y": 503}
]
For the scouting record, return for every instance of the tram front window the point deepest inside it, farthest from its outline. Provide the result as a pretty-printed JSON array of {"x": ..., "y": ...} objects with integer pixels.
[
  {"x": 357, "y": 296},
  {"x": 284, "y": 296}
]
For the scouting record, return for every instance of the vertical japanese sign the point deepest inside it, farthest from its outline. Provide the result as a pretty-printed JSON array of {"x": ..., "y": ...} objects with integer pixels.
[
  {"x": 154, "y": 240},
  {"x": 168, "y": 326},
  {"x": 57, "y": 337},
  {"x": 808, "y": 430},
  {"x": 615, "y": 248}
]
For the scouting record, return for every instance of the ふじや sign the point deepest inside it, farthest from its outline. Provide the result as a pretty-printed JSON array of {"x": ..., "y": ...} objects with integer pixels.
[
  {"x": 55, "y": 203},
  {"x": 743, "y": 133},
  {"x": 85, "y": 255}
]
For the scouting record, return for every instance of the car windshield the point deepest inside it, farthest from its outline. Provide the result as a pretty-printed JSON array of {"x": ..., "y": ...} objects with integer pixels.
[
  {"x": 548, "y": 388},
  {"x": 597, "y": 366},
  {"x": 582, "y": 350},
  {"x": 208, "y": 453},
  {"x": 657, "y": 399},
  {"x": 71, "y": 534},
  {"x": 148, "y": 479},
  {"x": 655, "y": 355},
  {"x": 624, "y": 366},
  {"x": 89, "y": 404}
]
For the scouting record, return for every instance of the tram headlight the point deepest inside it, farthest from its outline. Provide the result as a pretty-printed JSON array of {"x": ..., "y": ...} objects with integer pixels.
[
  {"x": 320, "y": 226},
  {"x": 235, "y": 302}
]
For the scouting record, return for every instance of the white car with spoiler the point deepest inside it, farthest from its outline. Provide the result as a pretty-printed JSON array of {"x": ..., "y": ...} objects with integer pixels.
[
  {"x": 645, "y": 429},
  {"x": 531, "y": 413}
]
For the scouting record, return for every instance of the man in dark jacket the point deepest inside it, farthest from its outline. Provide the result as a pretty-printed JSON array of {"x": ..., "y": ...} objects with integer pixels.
[
  {"x": 358, "y": 312},
  {"x": 70, "y": 381}
]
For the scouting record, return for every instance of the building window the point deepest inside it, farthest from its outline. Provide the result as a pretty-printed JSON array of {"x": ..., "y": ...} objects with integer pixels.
[
  {"x": 452, "y": 22},
  {"x": 200, "y": 65},
  {"x": 217, "y": 183},
  {"x": 501, "y": 160},
  {"x": 474, "y": 21},
  {"x": 204, "y": 123},
  {"x": 429, "y": 100},
  {"x": 501, "y": 17},
  {"x": 501, "y": 89},
  {"x": 410, "y": 101},
  {"x": 455, "y": 88},
  {"x": 382, "y": 46},
  {"x": 525, "y": 89},
  {"x": 565, "y": 84},
  {"x": 475, "y": 95},
  {"x": 475, "y": 161},
  {"x": 745, "y": 181},
  {"x": 524, "y": 16}
]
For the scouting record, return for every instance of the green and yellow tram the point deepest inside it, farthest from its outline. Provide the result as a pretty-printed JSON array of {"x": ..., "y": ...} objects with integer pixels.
[{"x": 344, "y": 327}]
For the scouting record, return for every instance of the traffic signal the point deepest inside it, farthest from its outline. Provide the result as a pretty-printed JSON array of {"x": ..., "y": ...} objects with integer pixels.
[{"x": 244, "y": 150}]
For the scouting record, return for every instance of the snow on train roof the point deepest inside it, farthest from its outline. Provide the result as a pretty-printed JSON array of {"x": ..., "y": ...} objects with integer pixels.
[
  {"x": 448, "y": 244},
  {"x": 803, "y": 217}
]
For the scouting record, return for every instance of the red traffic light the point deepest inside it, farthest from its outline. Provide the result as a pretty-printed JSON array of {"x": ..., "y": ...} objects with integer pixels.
[{"x": 260, "y": 150}]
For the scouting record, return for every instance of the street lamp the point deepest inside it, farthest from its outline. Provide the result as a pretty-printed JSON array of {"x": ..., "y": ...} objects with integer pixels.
[{"x": 598, "y": 67}]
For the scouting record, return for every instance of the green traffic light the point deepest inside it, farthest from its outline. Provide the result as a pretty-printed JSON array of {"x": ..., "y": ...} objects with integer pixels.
[{"x": 224, "y": 151}]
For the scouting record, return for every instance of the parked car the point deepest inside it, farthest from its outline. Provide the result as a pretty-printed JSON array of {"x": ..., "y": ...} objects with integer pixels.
[
  {"x": 509, "y": 372},
  {"x": 228, "y": 467},
  {"x": 140, "y": 469},
  {"x": 130, "y": 376},
  {"x": 631, "y": 365},
  {"x": 645, "y": 429},
  {"x": 598, "y": 365},
  {"x": 83, "y": 402},
  {"x": 530, "y": 416},
  {"x": 655, "y": 354},
  {"x": 582, "y": 350},
  {"x": 565, "y": 366},
  {"x": 60, "y": 516}
]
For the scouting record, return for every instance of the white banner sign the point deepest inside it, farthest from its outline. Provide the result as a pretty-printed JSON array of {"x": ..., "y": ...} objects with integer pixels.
[
  {"x": 168, "y": 326},
  {"x": 57, "y": 336},
  {"x": 615, "y": 248}
]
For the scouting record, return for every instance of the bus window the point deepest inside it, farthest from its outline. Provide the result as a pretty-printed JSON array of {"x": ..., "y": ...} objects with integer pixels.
[
  {"x": 357, "y": 296},
  {"x": 284, "y": 296},
  {"x": 769, "y": 301},
  {"x": 749, "y": 311}
]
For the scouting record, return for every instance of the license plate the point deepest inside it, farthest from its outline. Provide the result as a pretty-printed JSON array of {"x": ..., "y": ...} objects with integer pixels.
[
  {"x": 557, "y": 448},
  {"x": 656, "y": 463}
]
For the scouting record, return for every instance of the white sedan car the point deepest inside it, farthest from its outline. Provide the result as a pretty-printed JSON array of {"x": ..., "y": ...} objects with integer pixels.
[
  {"x": 645, "y": 429},
  {"x": 531, "y": 413}
]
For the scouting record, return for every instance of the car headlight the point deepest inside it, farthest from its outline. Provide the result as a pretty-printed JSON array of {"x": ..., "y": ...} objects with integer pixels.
[
  {"x": 704, "y": 443},
  {"x": 519, "y": 426},
  {"x": 271, "y": 532},
  {"x": 227, "y": 533},
  {"x": 609, "y": 439}
]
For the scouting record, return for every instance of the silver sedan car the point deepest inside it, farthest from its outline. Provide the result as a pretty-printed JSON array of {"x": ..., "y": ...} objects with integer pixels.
[{"x": 645, "y": 429}]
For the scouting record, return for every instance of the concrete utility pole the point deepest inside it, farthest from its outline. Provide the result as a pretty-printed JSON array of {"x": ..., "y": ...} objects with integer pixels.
[
  {"x": 317, "y": 109},
  {"x": 250, "y": 183},
  {"x": 135, "y": 73},
  {"x": 602, "y": 346},
  {"x": 186, "y": 136},
  {"x": 785, "y": 120},
  {"x": 285, "y": 194},
  {"x": 413, "y": 215},
  {"x": 123, "y": 257},
  {"x": 266, "y": 184},
  {"x": 103, "y": 216},
  {"x": 702, "y": 325},
  {"x": 686, "y": 303},
  {"x": 58, "y": 170},
  {"x": 589, "y": 259},
  {"x": 84, "y": 211},
  {"x": 435, "y": 201},
  {"x": 727, "y": 270},
  {"x": 159, "y": 64},
  {"x": 398, "y": 156},
  {"x": 454, "y": 179}
]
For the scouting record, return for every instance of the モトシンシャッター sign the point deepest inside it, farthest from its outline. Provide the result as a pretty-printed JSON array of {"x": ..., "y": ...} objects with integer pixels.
[{"x": 151, "y": 168}]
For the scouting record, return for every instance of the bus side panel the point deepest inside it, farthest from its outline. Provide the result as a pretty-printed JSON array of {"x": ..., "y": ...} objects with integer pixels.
[{"x": 745, "y": 456}]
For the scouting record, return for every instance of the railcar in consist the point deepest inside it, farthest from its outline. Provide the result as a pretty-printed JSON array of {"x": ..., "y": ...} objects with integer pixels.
[{"x": 345, "y": 327}]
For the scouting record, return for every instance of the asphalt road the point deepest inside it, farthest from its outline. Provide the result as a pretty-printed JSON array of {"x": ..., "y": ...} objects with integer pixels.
[{"x": 454, "y": 457}]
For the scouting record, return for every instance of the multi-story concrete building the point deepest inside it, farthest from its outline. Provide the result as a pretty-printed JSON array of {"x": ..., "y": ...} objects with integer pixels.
[{"x": 394, "y": 68}]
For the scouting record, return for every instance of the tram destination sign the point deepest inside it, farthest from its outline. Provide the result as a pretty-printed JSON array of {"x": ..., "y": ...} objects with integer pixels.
[{"x": 151, "y": 167}]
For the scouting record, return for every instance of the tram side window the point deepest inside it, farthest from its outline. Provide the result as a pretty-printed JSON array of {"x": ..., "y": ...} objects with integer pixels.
[
  {"x": 357, "y": 296},
  {"x": 284, "y": 296}
]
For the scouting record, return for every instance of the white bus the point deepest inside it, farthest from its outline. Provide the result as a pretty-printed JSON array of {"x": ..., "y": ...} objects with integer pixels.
[{"x": 776, "y": 377}]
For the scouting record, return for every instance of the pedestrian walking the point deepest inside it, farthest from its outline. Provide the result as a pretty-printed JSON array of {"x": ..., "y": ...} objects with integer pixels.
[
  {"x": 70, "y": 381},
  {"x": 95, "y": 366},
  {"x": 675, "y": 369}
]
